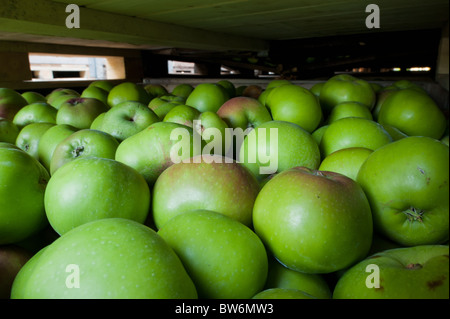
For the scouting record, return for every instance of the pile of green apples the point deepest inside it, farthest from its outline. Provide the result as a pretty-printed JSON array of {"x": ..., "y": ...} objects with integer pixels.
[{"x": 339, "y": 190}]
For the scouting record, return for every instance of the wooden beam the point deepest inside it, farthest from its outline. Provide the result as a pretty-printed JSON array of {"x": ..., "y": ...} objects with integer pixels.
[{"x": 47, "y": 19}]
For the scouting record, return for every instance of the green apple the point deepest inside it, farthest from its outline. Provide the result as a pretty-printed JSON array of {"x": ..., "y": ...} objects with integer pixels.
[
  {"x": 207, "y": 97},
  {"x": 318, "y": 133},
  {"x": 98, "y": 122},
  {"x": 12, "y": 259},
  {"x": 381, "y": 98},
  {"x": 394, "y": 132},
  {"x": 60, "y": 91},
  {"x": 277, "y": 82},
  {"x": 155, "y": 90},
  {"x": 224, "y": 258},
  {"x": 346, "y": 161},
  {"x": 316, "y": 88},
  {"x": 30, "y": 136},
  {"x": 353, "y": 132},
  {"x": 60, "y": 100},
  {"x": 313, "y": 221},
  {"x": 280, "y": 276},
  {"x": 127, "y": 119},
  {"x": 39, "y": 112},
  {"x": 345, "y": 88},
  {"x": 407, "y": 186},
  {"x": 349, "y": 109},
  {"x": 173, "y": 98},
  {"x": 59, "y": 96},
  {"x": 276, "y": 146},
  {"x": 10, "y": 103},
  {"x": 92, "y": 188},
  {"x": 111, "y": 258},
  {"x": 103, "y": 84},
  {"x": 377, "y": 87},
  {"x": 33, "y": 97},
  {"x": 414, "y": 113},
  {"x": 407, "y": 84},
  {"x": 22, "y": 187},
  {"x": 162, "y": 107},
  {"x": 128, "y": 91},
  {"x": 229, "y": 87},
  {"x": 205, "y": 182},
  {"x": 215, "y": 132},
  {"x": 8, "y": 131},
  {"x": 282, "y": 293},
  {"x": 83, "y": 143},
  {"x": 182, "y": 90},
  {"x": 9, "y": 145},
  {"x": 80, "y": 112},
  {"x": 293, "y": 103},
  {"x": 243, "y": 112},
  {"x": 50, "y": 140},
  {"x": 95, "y": 92},
  {"x": 149, "y": 151},
  {"x": 419, "y": 272},
  {"x": 182, "y": 114},
  {"x": 262, "y": 98}
]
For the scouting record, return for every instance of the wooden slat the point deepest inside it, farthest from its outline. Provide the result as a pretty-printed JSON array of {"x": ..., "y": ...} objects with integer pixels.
[{"x": 47, "y": 18}]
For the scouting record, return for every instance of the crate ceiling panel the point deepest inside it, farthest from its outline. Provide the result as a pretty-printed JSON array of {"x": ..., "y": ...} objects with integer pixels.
[{"x": 206, "y": 24}]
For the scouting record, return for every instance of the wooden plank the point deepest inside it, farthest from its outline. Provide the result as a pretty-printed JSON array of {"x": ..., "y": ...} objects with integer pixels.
[
  {"x": 15, "y": 66},
  {"x": 47, "y": 18}
]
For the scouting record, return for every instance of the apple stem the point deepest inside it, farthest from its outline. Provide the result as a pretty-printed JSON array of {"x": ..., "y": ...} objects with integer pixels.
[
  {"x": 414, "y": 214},
  {"x": 78, "y": 151},
  {"x": 414, "y": 266}
]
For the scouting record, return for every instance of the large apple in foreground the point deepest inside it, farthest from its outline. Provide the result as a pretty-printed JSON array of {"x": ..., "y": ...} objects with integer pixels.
[
  {"x": 276, "y": 146},
  {"x": 213, "y": 247},
  {"x": 23, "y": 182},
  {"x": 205, "y": 182},
  {"x": 111, "y": 258},
  {"x": 83, "y": 143},
  {"x": 93, "y": 188},
  {"x": 293, "y": 103},
  {"x": 149, "y": 151},
  {"x": 419, "y": 272},
  {"x": 406, "y": 183},
  {"x": 312, "y": 221}
]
